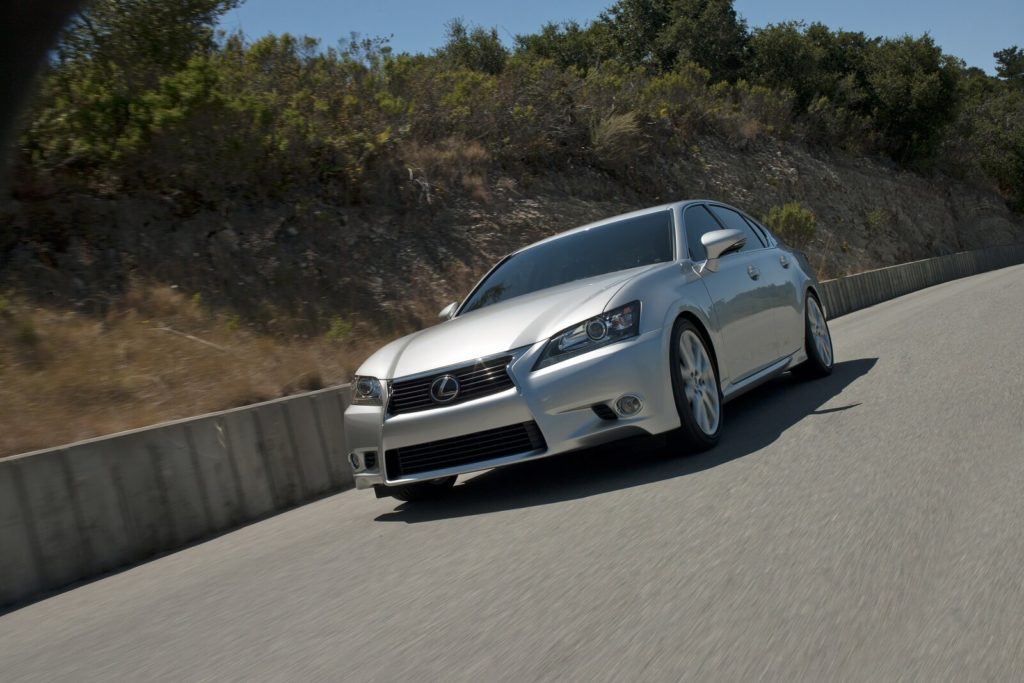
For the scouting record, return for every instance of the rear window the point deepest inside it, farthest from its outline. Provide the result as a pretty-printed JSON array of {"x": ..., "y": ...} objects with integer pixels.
[{"x": 624, "y": 244}]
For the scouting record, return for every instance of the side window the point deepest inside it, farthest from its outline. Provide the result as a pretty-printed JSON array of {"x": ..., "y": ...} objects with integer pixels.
[
  {"x": 698, "y": 221},
  {"x": 772, "y": 237},
  {"x": 761, "y": 232},
  {"x": 733, "y": 221}
]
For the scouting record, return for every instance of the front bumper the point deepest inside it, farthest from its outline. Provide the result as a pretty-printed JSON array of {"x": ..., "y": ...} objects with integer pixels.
[{"x": 558, "y": 398}]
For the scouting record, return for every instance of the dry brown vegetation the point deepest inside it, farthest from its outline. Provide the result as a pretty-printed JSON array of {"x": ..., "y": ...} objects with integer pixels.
[
  {"x": 292, "y": 204},
  {"x": 449, "y": 166},
  {"x": 66, "y": 376}
]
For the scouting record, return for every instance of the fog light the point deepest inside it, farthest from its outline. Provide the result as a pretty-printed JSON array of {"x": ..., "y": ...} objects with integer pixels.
[
  {"x": 628, "y": 405},
  {"x": 353, "y": 460}
]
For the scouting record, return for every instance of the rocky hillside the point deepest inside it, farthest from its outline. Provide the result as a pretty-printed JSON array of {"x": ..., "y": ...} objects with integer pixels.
[
  {"x": 295, "y": 266},
  {"x": 121, "y": 311},
  {"x": 200, "y": 220}
]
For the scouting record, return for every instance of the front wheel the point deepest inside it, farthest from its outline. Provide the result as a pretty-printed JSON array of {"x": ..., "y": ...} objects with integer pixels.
[
  {"x": 424, "y": 490},
  {"x": 817, "y": 343},
  {"x": 695, "y": 387}
]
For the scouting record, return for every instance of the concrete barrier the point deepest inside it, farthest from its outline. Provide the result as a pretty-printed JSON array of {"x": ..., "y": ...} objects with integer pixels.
[
  {"x": 78, "y": 511},
  {"x": 854, "y": 292}
]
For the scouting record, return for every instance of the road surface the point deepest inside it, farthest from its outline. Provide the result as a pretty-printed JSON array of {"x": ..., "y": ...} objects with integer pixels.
[{"x": 865, "y": 527}]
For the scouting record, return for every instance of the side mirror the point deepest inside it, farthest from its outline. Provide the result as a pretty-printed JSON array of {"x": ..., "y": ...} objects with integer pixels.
[
  {"x": 718, "y": 243},
  {"x": 448, "y": 311}
]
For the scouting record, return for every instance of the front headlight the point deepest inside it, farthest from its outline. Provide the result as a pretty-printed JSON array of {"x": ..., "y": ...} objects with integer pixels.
[
  {"x": 609, "y": 327},
  {"x": 366, "y": 391}
]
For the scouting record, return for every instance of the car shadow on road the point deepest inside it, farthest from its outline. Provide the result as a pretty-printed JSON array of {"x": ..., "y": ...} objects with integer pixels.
[{"x": 753, "y": 421}]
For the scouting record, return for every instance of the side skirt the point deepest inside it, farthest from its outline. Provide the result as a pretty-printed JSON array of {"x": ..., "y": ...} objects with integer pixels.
[{"x": 761, "y": 376}]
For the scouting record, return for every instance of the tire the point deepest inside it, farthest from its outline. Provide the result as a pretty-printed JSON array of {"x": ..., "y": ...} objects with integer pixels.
[
  {"x": 817, "y": 342},
  {"x": 424, "y": 490},
  {"x": 694, "y": 378}
]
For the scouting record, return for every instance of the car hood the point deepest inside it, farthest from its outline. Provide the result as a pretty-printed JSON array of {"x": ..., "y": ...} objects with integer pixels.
[{"x": 508, "y": 325}]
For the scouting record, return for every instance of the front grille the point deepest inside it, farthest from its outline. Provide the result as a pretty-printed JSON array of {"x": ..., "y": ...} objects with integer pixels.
[
  {"x": 603, "y": 411},
  {"x": 463, "y": 450},
  {"x": 370, "y": 460},
  {"x": 483, "y": 378}
]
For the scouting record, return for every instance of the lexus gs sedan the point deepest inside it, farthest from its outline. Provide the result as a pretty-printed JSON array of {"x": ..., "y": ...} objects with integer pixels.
[{"x": 645, "y": 323}]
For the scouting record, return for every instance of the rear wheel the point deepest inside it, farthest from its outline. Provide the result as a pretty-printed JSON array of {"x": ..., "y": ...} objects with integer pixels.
[
  {"x": 817, "y": 342},
  {"x": 424, "y": 490},
  {"x": 695, "y": 387}
]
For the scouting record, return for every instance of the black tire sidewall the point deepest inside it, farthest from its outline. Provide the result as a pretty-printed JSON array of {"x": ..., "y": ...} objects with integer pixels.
[
  {"x": 689, "y": 434},
  {"x": 812, "y": 348},
  {"x": 814, "y": 366}
]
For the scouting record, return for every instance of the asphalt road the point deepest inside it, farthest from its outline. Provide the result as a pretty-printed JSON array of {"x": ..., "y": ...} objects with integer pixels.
[{"x": 866, "y": 527}]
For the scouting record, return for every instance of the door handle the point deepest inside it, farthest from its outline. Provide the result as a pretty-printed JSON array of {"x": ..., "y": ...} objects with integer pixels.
[
  {"x": 784, "y": 261},
  {"x": 753, "y": 272}
]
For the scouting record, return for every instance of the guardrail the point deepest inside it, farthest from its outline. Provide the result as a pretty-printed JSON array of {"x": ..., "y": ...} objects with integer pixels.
[
  {"x": 79, "y": 511},
  {"x": 854, "y": 292}
]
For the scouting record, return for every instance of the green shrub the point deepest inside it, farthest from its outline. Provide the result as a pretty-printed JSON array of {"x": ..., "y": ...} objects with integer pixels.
[
  {"x": 876, "y": 220},
  {"x": 793, "y": 223},
  {"x": 678, "y": 97},
  {"x": 828, "y": 123},
  {"x": 144, "y": 95},
  {"x": 340, "y": 329}
]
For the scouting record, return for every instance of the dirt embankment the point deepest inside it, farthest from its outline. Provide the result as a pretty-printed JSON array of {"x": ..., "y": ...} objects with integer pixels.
[
  {"x": 297, "y": 264},
  {"x": 264, "y": 298}
]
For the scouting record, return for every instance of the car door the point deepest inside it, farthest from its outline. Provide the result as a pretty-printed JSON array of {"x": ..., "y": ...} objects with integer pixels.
[
  {"x": 741, "y": 303},
  {"x": 790, "y": 314},
  {"x": 777, "y": 288}
]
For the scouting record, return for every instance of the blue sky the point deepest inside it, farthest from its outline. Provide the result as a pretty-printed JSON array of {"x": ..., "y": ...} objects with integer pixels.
[{"x": 970, "y": 30}]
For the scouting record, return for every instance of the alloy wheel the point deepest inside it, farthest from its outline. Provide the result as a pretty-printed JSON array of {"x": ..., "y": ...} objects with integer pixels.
[
  {"x": 699, "y": 382},
  {"x": 819, "y": 332}
]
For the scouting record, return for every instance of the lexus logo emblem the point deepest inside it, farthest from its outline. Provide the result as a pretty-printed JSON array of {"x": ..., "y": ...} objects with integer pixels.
[{"x": 444, "y": 389}]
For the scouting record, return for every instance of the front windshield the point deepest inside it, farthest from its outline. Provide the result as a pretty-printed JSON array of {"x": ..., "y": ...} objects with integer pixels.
[{"x": 616, "y": 246}]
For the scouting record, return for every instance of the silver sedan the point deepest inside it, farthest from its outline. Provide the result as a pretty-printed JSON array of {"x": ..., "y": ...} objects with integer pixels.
[{"x": 644, "y": 323}]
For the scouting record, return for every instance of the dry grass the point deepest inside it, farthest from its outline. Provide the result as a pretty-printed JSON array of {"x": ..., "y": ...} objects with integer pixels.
[
  {"x": 617, "y": 139},
  {"x": 446, "y": 167},
  {"x": 65, "y": 376}
]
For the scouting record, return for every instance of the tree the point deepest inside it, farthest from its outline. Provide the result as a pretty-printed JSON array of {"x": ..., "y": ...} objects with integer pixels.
[
  {"x": 812, "y": 61},
  {"x": 110, "y": 55},
  {"x": 568, "y": 45},
  {"x": 141, "y": 39},
  {"x": 634, "y": 26},
  {"x": 661, "y": 34},
  {"x": 997, "y": 141},
  {"x": 913, "y": 95},
  {"x": 1010, "y": 66},
  {"x": 706, "y": 32},
  {"x": 474, "y": 48},
  {"x": 782, "y": 56}
]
